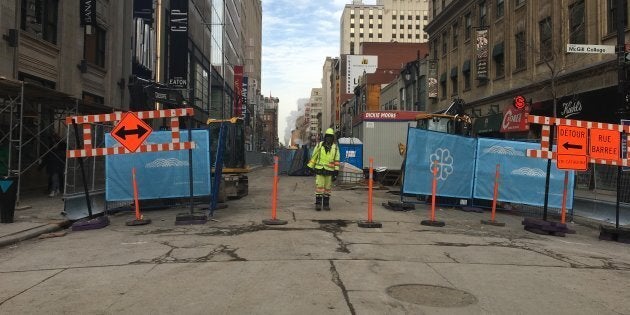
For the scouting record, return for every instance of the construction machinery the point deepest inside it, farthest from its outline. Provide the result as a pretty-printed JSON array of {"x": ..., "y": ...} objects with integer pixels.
[{"x": 233, "y": 169}]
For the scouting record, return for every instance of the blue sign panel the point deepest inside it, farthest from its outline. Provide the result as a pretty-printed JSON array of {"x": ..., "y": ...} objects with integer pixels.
[
  {"x": 454, "y": 157},
  {"x": 522, "y": 179},
  {"x": 161, "y": 174}
]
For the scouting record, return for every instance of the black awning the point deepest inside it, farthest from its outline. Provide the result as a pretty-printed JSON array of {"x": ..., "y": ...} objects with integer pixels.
[
  {"x": 443, "y": 77},
  {"x": 454, "y": 72},
  {"x": 466, "y": 66},
  {"x": 497, "y": 50}
]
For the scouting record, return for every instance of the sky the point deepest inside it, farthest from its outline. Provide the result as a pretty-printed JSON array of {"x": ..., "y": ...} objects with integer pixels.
[{"x": 297, "y": 36}]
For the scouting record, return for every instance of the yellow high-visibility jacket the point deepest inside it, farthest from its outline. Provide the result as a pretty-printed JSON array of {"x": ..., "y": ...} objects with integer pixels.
[{"x": 322, "y": 160}]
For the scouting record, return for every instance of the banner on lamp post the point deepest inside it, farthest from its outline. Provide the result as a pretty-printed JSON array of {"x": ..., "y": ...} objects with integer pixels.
[
  {"x": 238, "y": 91},
  {"x": 432, "y": 83},
  {"x": 482, "y": 54}
]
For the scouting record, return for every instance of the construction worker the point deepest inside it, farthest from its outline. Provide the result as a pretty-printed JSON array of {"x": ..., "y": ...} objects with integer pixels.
[{"x": 325, "y": 164}]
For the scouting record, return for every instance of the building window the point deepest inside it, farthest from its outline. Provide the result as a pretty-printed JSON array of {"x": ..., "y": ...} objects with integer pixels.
[
  {"x": 454, "y": 83},
  {"x": 483, "y": 12},
  {"x": 500, "y": 8},
  {"x": 521, "y": 51},
  {"x": 393, "y": 26},
  {"x": 39, "y": 17},
  {"x": 380, "y": 35},
  {"x": 443, "y": 88},
  {"x": 455, "y": 34},
  {"x": 409, "y": 26},
  {"x": 433, "y": 8},
  {"x": 466, "y": 79},
  {"x": 409, "y": 36},
  {"x": 576, "y": 23},
  {"x": 468, "y": 26},
  {"x": 499, "y": 60},
  {"x": 545, "y": 39},
  {"x": 371, "y": 35},
  {"x": 93, "y": 99},
  {"x": 612, "y": 15},
  {"x": 94, "y": 46},
  {"x": 517, "y": 3},
  {"x": 444, "y": 42},
  {"x": 435, "y": 49}
]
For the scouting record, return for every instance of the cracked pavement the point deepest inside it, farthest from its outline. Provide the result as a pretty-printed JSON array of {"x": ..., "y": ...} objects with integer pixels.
[{"x": 319, "y": 263}]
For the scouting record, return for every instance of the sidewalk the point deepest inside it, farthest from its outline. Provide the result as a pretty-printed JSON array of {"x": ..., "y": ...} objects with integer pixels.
[{"x": 36, "y": 214}]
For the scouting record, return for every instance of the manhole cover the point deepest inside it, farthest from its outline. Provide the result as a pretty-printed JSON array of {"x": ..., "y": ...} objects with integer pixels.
[{"x": 431, "y": 295}]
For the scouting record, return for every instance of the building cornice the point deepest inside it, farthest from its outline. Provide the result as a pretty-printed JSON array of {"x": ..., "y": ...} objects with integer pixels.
[{"x": 451, "y": 12}]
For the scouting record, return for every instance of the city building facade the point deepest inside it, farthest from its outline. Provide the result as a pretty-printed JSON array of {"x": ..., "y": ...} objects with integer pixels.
[
  {"x": 400, "y": 21},
  {"x": 488, "y": 52}
]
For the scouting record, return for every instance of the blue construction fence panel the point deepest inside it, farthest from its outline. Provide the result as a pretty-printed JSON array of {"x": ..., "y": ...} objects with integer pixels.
[
  {"x": 467, "y": 166},
  {"x": 351, "y": 153},
  {"x": 521, "y": 178},
  {"x": 161, "y": 174},
  {"x": 454, "y": 157},
  {"x": 285, "y": 159}
]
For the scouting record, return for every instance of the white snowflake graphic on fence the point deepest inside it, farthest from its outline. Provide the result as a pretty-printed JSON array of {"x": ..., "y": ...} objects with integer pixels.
[{"x": 444, "y": 163}]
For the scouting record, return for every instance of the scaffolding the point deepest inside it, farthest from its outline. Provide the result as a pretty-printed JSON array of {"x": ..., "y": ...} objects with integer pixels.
[{"x": 29, "y": 116}]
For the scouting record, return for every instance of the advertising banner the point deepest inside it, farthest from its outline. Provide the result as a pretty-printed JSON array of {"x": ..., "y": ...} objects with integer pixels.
[
  {"x": 238, "y": 91},
  {"x": 170, "y": 167},
  {"x": 455, "y": 159},
  {"x": 515, "y": 119},
  {"x": 356, "y": 65},
  {"x": 87, "y": 12},
  {"x": 178, "y": 56},
  {"x": 482, "y": 54},
  {"x": 522, "y": 179},
  {"x": 432, "y": 79}
]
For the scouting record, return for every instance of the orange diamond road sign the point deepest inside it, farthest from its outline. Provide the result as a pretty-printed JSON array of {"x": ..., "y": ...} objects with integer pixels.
[
  {"x": 604, "y": 144},
  {"x": 572, "y": 162},
  {"x": 572, "y": 140},
  {"x": 131, "y": 131}
]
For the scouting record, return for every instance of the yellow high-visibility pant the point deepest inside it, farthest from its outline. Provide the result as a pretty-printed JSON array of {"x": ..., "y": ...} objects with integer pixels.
[{"x": 323, "y": 185}]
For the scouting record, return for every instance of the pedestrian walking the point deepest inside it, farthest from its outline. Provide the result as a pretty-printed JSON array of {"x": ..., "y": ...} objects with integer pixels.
[
  {"x": 325, "y": 164},
  {"x": 55, "y": 163}
]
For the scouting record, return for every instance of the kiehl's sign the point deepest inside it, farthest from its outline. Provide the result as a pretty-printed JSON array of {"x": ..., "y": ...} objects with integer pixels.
[{"x": 88, "y": 12}]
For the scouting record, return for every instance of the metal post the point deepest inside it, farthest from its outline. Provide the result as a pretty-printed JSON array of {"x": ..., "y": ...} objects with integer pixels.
[
  {"x": 620, "y": 9},
  {"x": 21, "y": 126},
  {"x": 190, "y": 164},
  {"x": 551, "y": 135},
  {"x": 85, "y": 188}
]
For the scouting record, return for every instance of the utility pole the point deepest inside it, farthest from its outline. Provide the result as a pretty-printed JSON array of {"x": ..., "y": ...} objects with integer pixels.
[{"x": 620, "y": 9}]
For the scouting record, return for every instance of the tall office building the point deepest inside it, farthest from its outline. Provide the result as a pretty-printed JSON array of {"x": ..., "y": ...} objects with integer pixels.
[{"x": 400, "y": 21}]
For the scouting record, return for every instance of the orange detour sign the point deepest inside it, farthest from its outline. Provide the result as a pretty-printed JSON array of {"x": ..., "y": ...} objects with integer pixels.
[
  {"x": 131, "y": 131},
  {"x": 605, "y": 144},
  {"x": 571, "y": 149},
  {"x": 572, "y": 162},
  {"x": 572, "y": 140}
]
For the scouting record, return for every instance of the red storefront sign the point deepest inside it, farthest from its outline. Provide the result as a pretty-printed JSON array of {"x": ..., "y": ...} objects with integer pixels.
[
  {"x": 405, "y": 116},
  {"x": 515, "y": 120}
]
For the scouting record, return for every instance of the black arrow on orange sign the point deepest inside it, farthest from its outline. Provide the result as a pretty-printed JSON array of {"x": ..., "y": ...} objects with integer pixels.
[
  {"x": 122, "y": 133},
  {"x": 567, "y": 146}
]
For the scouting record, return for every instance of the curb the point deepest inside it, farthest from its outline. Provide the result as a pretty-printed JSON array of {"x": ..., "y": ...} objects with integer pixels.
[{"x": 25, "y": 235}]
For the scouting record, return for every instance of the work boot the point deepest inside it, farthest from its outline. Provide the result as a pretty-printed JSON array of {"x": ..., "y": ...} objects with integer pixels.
[
  {"x": 327, "y": 203},
  {"x": 318, "y": 203}
]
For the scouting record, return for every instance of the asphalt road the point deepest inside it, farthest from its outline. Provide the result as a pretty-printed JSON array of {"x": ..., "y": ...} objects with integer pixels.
[{"x": 319, "y": 263}]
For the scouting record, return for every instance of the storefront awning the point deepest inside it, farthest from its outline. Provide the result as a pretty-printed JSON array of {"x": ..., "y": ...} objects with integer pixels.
[
  {"x": 497, "y": 50},
  {"x": 488, "y": 124},
  {"x": 454, "y": 72},
  {"x": 466, "y": 66}
]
